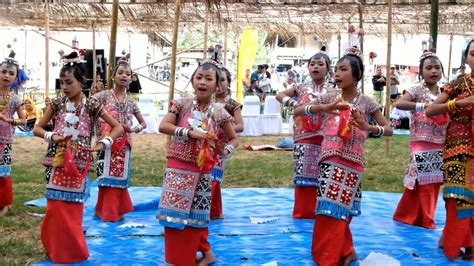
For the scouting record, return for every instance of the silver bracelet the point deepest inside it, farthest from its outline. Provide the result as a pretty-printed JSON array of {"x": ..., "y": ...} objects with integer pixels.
[
  {"x": 420, "y": 107},
  {"x": 107, "y": 141},
  {"x": 48, "y": 136},
  {"x": 138, "y": 128},
  {"x": 230, "y": 149},
  {"x": 380, "y": 131},
  {"x": 182, "y": 133},
  {"x": 307, "y": 110}
]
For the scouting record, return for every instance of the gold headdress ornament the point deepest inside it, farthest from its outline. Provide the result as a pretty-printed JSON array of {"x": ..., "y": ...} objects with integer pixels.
[
  {"x": 71, "y": 59},
  {"x": 353, "y": 51},
  {"x": 427, "y": 54}
]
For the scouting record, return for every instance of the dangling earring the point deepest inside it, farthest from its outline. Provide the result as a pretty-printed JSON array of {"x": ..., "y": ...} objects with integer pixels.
[{"x": 213, "y": 97}]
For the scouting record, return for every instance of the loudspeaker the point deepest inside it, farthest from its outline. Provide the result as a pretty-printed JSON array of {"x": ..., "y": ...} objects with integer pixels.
[{"x": 100, "y": 61}]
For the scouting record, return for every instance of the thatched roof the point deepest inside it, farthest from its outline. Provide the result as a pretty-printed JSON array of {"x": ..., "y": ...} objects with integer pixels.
[{"x": 321, "y": 17}]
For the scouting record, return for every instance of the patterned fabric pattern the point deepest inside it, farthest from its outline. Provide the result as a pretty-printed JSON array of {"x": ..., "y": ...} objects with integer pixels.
[
  {"x": 185, "y": 199},
  {"x": 353, "y": 148},
  {"x": 59, "y": 185},
  {"x": 6, "y": 161},
  {"x": 8, "y": 105},
  {"x": 306, "y": 93},
  {"x": 459, "y": 184},
  {"x": 217, "y": 173},
  {"x": 114, "y": 168},
  {"x": 339, "y": 192},
  {"x": 187, "y": 151},
  {"x": 306, "y": 164},
  {"x": 426, "y": 167},
  {"x": 423, "y": 128}
]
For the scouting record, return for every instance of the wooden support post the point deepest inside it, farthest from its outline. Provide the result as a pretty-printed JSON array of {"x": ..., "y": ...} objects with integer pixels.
[
  {"x": 206, "y": 32},
  {"x": 389, "y": 56},
  {"x": 46, "y": 47},
  {"x": 113, "y": 44},
  {"x": 225, "y": 44},
  {"x": 434, "y": 22},
  {"x": 361, "y": 38},
  {"x": 94, "y": 56}
]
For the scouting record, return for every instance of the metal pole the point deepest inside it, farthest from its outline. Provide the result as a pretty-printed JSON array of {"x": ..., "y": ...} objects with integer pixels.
[{"x": 113, "y": 43}]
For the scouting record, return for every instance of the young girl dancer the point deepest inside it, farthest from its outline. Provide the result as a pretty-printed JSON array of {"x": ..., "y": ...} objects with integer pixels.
[
  {"x": 307, "y": 135},
  {"x": 9, "y": 105},
  {"x": 425, "y": 171},
  {"x": 457, "y": 99},
  {"x": 342, "y": 160},
  {"x": 186, "y": 199},
  {"x": 68, "y": 161},
  {"x": 114, "y": 164},
  {"x": 235, "y": 110}
]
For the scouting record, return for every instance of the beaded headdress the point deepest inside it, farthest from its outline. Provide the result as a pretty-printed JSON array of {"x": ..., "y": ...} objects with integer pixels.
[
  {"x": 72, "y": 59},
  {"x": 353, "y": 51},
  {"x": 427, "y": 54}
]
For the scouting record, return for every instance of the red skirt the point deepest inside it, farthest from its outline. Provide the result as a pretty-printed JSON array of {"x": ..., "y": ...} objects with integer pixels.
[
  {"x": 6, "y": 191},
  {"x": 418, "y": 206},
  {"x": 113, "y": 203},
  {"x": 216, "y": 202},
  {"x": 457, "y": 233},
  {"x": 181, "y": 246},
  {"x": 332, "y": 241},
  {"x": 62, "y": 234},
  {"x": 305, "y": 203}
]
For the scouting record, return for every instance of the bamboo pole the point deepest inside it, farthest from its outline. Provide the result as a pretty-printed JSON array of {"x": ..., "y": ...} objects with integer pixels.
[
  {"x": 225, "y": 44},
  {"x": 450, "y": 52},
  {"x": 361, "y": 37},
  {"x": 113, "y": 43},
  {"x": 94, "y": 56},
  {"x": 206, "y": 32},
  {"x": 387, "y": 71},
  {"x": 434, "y": 22},
  {"x": 26, "y": 48},
  {"x": 169, "y": 56},
  {"x": 46, "y": 47},
  {"x": 174, "y": 48}
]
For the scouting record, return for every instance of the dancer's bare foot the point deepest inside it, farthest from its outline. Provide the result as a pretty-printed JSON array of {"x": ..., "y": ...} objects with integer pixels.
[
  {"x": 350, "y": 258},
  {"x": 207, "y": 259},
  {"x": 440, "y": 241},
  {"x": 468, "y": 254},
  {"x": 4, "y": 210}
]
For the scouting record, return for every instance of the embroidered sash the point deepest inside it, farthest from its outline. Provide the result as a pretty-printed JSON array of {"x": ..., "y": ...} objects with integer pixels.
[
  {"x": 306, "y": 164},
  {"x": 426, "y": 167},
  {"x": 185, "y": 199},
  {"x": 217, "y": 173},
  {"x": 339, "y": 192},
  {"x": 6, "y": 160},
  {"x": 114, "y": 167}
]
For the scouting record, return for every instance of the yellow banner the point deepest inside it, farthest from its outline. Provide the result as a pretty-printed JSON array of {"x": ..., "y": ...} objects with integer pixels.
[{"x": 246, "y": 60}]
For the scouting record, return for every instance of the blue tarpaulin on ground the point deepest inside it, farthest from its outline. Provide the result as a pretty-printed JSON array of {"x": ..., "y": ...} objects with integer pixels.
[{"x": 281, "y": 239}]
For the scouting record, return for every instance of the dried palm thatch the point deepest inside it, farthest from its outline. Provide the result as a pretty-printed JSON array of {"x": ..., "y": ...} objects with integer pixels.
[{"x": 285, "y": 17}]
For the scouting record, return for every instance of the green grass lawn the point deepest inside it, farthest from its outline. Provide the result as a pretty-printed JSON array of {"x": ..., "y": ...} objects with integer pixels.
[{"x": 19, "y": 229}]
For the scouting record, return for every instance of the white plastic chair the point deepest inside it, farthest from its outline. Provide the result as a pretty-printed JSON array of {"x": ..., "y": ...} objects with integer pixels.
[
  {"x": 271, "y": 119},
  {"x": 251, "y": 116}
]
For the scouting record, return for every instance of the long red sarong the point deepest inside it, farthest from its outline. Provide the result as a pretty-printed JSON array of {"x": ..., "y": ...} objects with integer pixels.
[
  {"x": 181, "y": 246},
  {"x": 62, "y": 234},
  {"x": 418, "y": 206},
  {"x": 305, "y": 202},
  {"x": 216, "y": 202},
  {"x": 113, "y": 203},
  {"x": 332, "y": 241},
  {"x": 457, "y": 233},
  {"x": 6, "y": 191}
]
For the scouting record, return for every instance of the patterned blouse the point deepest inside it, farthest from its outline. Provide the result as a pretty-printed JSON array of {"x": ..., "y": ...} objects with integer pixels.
[
  {"x": 187, "y": 151},
  {"x": 122, "y": 111},
  {"x": 305, "y": 93},
  {"x": 460, "y": 132},
  {"x": 423, "y": 128},
  {"x": 353, "y": 148},
  {"x": 8, "y": 104}
]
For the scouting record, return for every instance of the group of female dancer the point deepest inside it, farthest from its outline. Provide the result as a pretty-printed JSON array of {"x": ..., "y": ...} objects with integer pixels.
[{"x": 331, "y": 127}]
